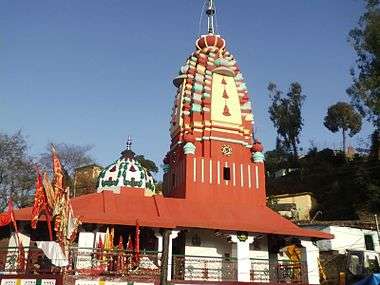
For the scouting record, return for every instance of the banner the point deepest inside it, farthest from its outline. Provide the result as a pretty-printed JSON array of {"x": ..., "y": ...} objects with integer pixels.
[
  {"x": 102, "y": 282},
  {"x": 28, "y": 282}
]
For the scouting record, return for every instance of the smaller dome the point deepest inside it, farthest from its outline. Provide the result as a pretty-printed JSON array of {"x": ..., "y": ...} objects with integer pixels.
[
  {"x": 258, "y": 157},
  {"x": 257, "y": 146},
  {"x": 126, "y": 172},
  {"x": 210, "y": 40}
]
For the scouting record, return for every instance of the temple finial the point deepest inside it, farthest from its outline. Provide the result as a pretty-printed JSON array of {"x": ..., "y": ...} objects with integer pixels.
[
  {"x": 129, "y": 143},
  {"x": 128, "y": 153},
  {"x": 210, "y": 12}
]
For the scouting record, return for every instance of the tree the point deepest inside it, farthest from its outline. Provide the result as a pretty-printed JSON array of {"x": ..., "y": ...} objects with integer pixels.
[
  {"x": 86, "y": 179},
  {"x": 365, "y": 89},
  {"x": 342, "y": 116},
  {"x": 285, "y": 113},
  {"x": 375, "y": 145},
  {"x": 159, "y": 187},
  {"x": 16, "y": 171},
  {"x": 344, "y": 189},
  {"x": 277, "y": 159},
  {"x": 272, "y": 202},
  {"x": 147, "y": 163},
  {"x": 72, "y": 156}
]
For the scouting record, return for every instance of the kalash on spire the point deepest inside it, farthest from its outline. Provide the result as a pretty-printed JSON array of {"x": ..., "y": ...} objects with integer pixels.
[{"x": 211, "y": 125}]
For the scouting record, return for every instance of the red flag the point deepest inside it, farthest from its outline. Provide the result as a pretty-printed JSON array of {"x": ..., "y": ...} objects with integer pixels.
[
  {"x": 21, "y": 257},
  {"x": 100, "y": 248},
  {"x": 9, "y": 217},
  {"x": 130, "y": 243},
  {"x": 120, "y": 255},
  {"x": 40, "y": 201},
  {"x": 130, "y": 256},
  {"x": 13, "y": 219},
  {"x": 41, "y": 204},
  {"x": 120, "y": 244},
  {"x": 137, "y": 242},
  {"x": 6, "y": 217}
]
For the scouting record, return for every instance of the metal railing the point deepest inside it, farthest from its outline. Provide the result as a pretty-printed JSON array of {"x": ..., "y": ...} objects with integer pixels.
[
  {"x": 93, "y": 262},
  {"x": 281, "y": 271},
  {"x": 121, "y": 263},
  {"x": 89, "y": 261},
  {"x": 29, "y": 260},
  {"x": 84, "y": 261},
  {"x": 207, "y": 268},
  {"x": 204, "y": 268}
]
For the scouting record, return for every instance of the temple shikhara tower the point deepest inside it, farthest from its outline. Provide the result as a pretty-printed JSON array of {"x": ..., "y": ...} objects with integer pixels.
[
  {"x": 211, "y": 222},
  {"x": 212, "y": 152}
]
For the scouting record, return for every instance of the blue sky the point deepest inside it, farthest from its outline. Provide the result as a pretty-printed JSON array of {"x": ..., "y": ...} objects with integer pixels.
[{"x": 94, "y": 72}]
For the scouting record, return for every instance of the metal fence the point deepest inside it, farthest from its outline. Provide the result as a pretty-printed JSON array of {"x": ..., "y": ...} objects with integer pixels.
[
  {"x": 204, "y": 268},
  {"x": 89, "y": 262},
  {"x": 281, "y": 271},
  {"x": 121, "y": 263},
  {"x": 92, "y": 263}
]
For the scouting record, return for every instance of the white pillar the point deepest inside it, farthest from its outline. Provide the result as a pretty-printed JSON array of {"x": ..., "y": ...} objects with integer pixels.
[
  {"x": 172, "y": 236},
  {"x": 312, "y": 255},
  {"x": 243, "y": 259},
  {"x": 158, "y": 235}
]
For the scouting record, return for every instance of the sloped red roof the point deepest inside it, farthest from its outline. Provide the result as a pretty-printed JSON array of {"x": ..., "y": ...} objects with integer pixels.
[{"x": 124, "y": 208}]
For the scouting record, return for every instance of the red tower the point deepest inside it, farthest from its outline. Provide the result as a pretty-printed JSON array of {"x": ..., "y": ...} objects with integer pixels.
[{"x": 212, "y": 154}]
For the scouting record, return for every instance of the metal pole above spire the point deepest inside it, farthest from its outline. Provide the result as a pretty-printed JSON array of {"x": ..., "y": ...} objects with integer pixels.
[
  {"x": 210, "y": 12},
  {"x": 129, "y": 143}
]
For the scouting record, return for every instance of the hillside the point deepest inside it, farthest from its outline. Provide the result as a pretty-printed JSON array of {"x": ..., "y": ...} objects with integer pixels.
[{"x": 343, "y": 188}]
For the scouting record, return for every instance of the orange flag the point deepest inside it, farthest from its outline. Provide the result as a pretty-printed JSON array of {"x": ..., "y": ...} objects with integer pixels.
[
  {"x": 58, "y": 173},
  {"x": 49, "y": 190},
  {"x": 40, "y": 202},
  {"x": 59, "y": 193}
]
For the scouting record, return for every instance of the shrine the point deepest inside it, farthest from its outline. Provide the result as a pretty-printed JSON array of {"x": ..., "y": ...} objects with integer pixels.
[{"x": 209, "y": 224}]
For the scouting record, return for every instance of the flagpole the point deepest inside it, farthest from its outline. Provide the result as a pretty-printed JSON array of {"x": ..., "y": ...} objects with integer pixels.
[
  {"x": 48, "y": 221},
  {"x": 137, "y": 242},
  {"x": 10, "y": 208}
]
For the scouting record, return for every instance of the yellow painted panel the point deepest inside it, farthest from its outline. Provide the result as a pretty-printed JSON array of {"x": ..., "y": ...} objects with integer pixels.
[{"x": 218, "y": 103}]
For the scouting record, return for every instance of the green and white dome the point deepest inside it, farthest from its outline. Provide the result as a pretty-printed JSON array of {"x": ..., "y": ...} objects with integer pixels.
[{"x": 126, "y": 172}]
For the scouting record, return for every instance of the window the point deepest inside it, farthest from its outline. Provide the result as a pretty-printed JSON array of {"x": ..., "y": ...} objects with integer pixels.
[
  {"x": 226, "y": 173},
  {"x": 368, "y": 239}
]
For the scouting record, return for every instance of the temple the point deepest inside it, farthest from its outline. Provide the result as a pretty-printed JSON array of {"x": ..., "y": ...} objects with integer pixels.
[{"x": 213, "y": 201}]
